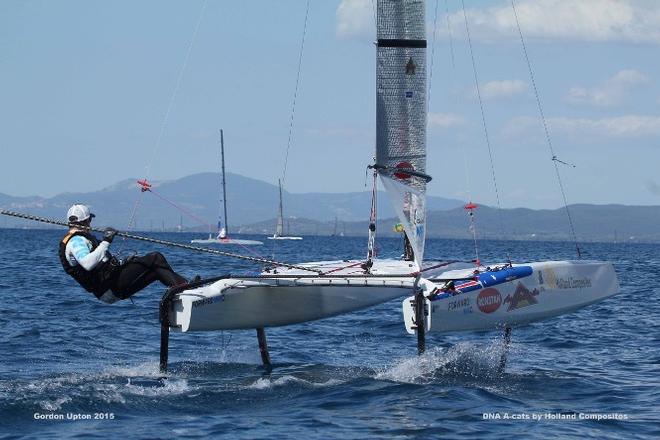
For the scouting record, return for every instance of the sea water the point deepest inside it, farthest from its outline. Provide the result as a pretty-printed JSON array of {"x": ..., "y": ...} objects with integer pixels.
[{"x": 72, "y": 367}]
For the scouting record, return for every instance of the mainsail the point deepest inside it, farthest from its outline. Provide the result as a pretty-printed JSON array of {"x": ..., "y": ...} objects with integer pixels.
[{"x": 401, "y": 113}]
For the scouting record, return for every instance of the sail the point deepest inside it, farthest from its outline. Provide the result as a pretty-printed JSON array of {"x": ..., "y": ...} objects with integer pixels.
[{"x": 401, "y": 113}]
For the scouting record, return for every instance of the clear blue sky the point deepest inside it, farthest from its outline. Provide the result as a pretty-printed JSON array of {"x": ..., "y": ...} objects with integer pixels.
[{"x": 85, "y": 86}]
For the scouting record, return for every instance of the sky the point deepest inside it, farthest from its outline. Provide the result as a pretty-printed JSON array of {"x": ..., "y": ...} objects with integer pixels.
[{"x": 94, "y": 92}]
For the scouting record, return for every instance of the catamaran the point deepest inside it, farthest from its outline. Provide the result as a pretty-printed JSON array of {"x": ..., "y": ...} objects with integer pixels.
[
  {"x": 223, "y": 236},
  {"x": 446, "y": 296},
  {"x": 279, "y": 228}
]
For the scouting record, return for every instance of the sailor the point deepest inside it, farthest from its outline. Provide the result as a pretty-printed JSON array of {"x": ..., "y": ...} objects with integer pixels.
[
  {"x": 408, "y": 252},
  {"x": 90, "y": 263}
]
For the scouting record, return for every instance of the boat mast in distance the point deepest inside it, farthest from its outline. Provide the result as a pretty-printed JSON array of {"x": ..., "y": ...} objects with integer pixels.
[
  {"x": 224, "y": 191},
  {"x": 223, "y": 226},
  {"x": 279, "y": 228}
]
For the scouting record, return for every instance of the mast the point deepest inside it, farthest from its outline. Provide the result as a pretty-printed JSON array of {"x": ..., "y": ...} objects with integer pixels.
[
  {"x": 279, "y": 230},
  {"x": 224, "y": 184},
  {"x": 401, "y": 114}
]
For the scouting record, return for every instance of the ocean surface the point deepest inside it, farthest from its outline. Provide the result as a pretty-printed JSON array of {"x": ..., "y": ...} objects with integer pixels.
[{"x": 65, "y": 354}]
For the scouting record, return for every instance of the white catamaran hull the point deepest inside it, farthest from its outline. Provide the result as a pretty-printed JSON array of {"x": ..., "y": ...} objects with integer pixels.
[
  {"x": 274, "y": 237},
  {"x": 226, "y": 241},
  {"x": 289, "y": 298},
  {"x": 553, "y": 288}
]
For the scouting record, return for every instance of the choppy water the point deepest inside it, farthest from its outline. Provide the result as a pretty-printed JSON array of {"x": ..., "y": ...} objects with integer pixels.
[{"x": 353, "y": 376}]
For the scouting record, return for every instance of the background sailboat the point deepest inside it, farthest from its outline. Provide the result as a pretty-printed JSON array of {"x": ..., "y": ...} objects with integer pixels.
[
  {"x": 279, "y": 228},
  {"x": 223, "y": 235}
]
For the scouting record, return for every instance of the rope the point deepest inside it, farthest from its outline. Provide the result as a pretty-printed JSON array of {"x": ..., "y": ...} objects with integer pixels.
[
  {"x": 163, "y": 242},
  {"x": 483, "y": 120},
  {"x": 181, "y": 209},
  {"x": 359, "y": 263},
  {"x": 146, "y": 186},
  {"x": 443, "y": 264},
  {"x": 547, "y": 132}
]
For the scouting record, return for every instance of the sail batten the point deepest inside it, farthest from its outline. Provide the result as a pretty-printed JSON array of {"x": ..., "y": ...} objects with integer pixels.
[{"x": 401, "y": 113}]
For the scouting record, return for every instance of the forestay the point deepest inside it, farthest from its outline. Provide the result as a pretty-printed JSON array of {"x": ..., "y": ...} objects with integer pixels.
[{"x": 401, "y": 113}]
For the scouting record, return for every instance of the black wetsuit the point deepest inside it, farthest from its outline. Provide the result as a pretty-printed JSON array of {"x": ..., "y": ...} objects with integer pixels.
[{"x": 138, "y": 272}]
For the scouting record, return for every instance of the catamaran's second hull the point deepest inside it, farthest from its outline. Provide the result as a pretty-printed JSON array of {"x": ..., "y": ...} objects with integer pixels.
[{"x": 547, "y": 290}]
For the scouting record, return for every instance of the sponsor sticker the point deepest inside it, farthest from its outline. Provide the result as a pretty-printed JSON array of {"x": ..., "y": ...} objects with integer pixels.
[
  {"x": 457, "y": 304},
  {"x": 411, "y": 67},
  {"x": 401, "y": 168},
  {"x": 489, "y": 300},
  {"x": 522, "y": 297},
  {"x": 573, "y": 283}
]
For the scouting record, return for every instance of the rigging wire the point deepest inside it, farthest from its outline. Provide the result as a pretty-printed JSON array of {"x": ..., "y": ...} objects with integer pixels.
[
  {"x": 194, "y": 217},
  {"x": 466, "y": 164},
  {"x": 435, "y": 27},
  {"x": 146, "y": 186},
  {"x": 295, "y": 93},
  {"x": 373, "y": 213},
  {"x": 181, "y": 209},
  {"x": 451, "y": 38},
  {"x": 470, "y": 206},
  {"x": 485, "y": 126},
  {"x": 554, "y": 158},
  {"x": 293, "y": 109},
  {"x": 166, "y": 117},
  {"x": 371, "y": 242}
]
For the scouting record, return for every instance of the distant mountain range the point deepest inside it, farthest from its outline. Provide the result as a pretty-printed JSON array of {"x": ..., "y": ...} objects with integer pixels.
[
  {"x": 253, "y": 208},
  {"x": 199, "y": 198},
  {"x": 610, "y": 223}
]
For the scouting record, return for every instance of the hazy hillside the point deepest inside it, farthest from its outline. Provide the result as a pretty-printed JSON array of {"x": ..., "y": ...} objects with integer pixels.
[
  {"x": 253, "y": 208},
  {"x": 249, "y": 200},
  {"x": 592, "y": 223}
]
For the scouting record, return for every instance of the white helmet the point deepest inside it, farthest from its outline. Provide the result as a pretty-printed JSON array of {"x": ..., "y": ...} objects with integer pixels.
[{"x": 78, "y": 213}]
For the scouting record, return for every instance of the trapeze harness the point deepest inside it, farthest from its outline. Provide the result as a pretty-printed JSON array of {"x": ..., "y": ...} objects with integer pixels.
[{"x": 97, "y": 280}]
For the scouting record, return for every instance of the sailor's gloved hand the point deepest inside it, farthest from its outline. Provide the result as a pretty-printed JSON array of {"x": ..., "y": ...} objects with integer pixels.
[{"x": 109, "y": 234}]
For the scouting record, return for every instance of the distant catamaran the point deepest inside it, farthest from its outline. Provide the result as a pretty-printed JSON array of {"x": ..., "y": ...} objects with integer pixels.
[
  {"x": 279, "y": 228},
  {"x": 447, "y": 296},
  {"x": 223, "y": 235}
]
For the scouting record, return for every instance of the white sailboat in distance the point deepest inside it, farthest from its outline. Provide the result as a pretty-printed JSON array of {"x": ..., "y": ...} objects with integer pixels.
[
  {"x": 223, "y": 236},
  {"x": 279, "y": 228},
  {"x": 456, "y": 296}
]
